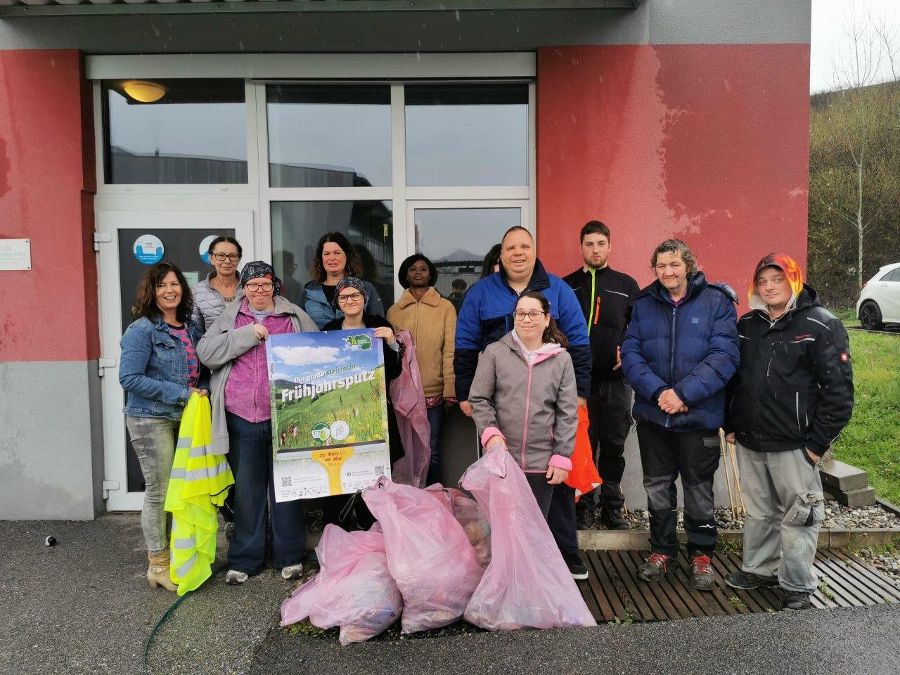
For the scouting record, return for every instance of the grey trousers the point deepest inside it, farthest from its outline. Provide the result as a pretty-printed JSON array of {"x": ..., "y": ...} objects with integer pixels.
[
  {"x": 153, "y": 440},
  {"x": 785, "y": 509}
]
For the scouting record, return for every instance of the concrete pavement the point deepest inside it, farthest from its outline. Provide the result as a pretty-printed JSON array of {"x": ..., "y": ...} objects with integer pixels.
[{"x": 83, "y": 606}]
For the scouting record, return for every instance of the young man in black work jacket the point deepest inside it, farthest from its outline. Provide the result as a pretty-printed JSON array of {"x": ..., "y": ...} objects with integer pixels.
[
  {"x": 790, "y": 398},
  {"x": 605, "y": 296}
]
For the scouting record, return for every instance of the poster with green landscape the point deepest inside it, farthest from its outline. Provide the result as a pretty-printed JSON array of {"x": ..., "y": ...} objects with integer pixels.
[{"x": 329, "y": 412}]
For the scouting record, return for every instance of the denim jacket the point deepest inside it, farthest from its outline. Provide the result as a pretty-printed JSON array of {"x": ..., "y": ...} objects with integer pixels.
[{"x": 153, "y": 369}]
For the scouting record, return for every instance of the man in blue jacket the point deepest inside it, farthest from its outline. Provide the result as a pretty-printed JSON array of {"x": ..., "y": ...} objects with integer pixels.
[
  {"x": 486, "y": 315},
  {"x": 680, "y": 350}
]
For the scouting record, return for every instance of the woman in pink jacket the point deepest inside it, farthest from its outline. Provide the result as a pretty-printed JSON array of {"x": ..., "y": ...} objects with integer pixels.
[{"x": 524, "y": 397}]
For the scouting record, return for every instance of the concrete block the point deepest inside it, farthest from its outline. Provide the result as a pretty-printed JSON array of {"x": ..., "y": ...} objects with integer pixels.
[
  {"x": 855, "y": 498},
  {"x": 843, "y": 477}
]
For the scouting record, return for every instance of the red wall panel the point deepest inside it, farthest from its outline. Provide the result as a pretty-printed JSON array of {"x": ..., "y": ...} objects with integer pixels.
[
  {"x": 708, "y": 143},
  {"x": 46, "y": 179}
]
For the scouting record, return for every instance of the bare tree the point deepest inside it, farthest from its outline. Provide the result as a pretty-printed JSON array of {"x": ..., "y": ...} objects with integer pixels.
[{"x": 872, "y": 44}]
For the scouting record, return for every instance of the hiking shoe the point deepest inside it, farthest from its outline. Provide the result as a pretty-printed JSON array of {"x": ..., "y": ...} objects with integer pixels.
[
  {"x": 612, "y": 519},
  {"x": 655, "y": 567},
  {"x": 292, "y": 572},
  {"x": 747, "y": 581},
  {"x": 795, "y": 599},
  {"x": 702, "y": 576},
  {"x": 584, "y": 518},
  {"x": 235, "y": 578},
  {"x": 577, "y": 568}
]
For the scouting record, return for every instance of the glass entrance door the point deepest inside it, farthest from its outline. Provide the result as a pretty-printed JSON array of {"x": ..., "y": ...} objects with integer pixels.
[{"x": 134, "y": 241}]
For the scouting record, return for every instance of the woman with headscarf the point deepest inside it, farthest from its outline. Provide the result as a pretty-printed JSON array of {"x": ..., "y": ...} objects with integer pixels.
[
  {"x": 351, "y": 296},
  {"x": 336, "y": 259},
  {"x": 234, "y": 349}
]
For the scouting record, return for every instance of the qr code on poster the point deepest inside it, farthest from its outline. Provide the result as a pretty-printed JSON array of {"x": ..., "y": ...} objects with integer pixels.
[{"x": 286, "y": 481}]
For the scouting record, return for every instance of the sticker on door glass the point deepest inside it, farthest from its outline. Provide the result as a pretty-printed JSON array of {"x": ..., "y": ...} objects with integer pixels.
[
  {"x": 148, "y": 249},
  {"x": 204, "y": 248}
]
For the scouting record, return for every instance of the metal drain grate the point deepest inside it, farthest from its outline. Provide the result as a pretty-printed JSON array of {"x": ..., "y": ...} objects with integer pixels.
[{"x": 613, "y": 591}]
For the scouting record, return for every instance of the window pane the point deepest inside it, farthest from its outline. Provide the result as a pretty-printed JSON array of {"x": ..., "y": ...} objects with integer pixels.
[
  {"x": 467, "y": 135},
  {"x": 329, "y": 136},
  {"x": 196, "y": 133},
  {"x": 457, "y": 240},
  {"x": 297, "y": 227}
]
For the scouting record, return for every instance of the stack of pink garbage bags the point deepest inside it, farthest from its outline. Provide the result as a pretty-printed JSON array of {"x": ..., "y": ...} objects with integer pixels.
[{"x": 436, "y": 556}]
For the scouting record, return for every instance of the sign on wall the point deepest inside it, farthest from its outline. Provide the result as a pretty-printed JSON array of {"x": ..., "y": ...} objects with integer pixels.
[
  {"x": 329, "y": 413},
  {"x": 15, "y": 254}
]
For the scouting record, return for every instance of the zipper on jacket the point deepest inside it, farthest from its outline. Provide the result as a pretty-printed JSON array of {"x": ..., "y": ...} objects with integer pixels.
[
  {"x": 671, "y": 358},
  {"x": 594, "y": 299},
  {"x": 527, "y": 405},
  {"x": 797, "y": 408}
]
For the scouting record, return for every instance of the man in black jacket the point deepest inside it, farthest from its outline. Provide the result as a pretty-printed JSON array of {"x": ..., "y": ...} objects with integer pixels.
[
  {"x": 605, "y": 296},
  {"x": 790, "y": 398}
]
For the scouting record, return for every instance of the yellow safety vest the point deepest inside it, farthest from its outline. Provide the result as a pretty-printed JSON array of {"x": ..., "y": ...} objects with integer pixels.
[{"x": 198, "y": 483}]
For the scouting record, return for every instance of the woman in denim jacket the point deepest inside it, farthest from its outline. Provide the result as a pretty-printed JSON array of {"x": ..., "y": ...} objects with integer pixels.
[{"x": 159, "y": 369}]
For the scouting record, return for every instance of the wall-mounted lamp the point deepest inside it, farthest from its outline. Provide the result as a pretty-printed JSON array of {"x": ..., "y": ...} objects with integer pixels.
[{"x": 144, "y": 91}]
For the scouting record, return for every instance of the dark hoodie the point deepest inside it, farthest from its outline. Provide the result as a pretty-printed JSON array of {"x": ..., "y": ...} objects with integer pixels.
[{"x": 794, "y": 387}]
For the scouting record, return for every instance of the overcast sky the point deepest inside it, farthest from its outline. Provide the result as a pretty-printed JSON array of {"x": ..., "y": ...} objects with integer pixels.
[{"x": 829, "y": 40}]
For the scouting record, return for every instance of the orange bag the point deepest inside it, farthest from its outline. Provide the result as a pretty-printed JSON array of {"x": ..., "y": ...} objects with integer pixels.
[{"x": 584, "y": 476}]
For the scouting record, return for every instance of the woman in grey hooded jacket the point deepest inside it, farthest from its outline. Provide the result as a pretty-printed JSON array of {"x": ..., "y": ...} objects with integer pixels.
[{"x": 524, "y": 397}]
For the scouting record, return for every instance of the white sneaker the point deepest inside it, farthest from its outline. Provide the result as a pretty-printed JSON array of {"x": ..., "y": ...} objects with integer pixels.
[
  {"x": 292, "y": 572},
  {"x": 235, "y": 578}
]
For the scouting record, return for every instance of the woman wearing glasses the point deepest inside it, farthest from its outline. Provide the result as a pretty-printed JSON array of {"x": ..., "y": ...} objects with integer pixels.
[
  {"x": 524, "y": 398},
  {"x": 234, "y": 349},
  {"x": 159, "y": 370},
  {"x": 336, "y": 259},
  {"x": 351, "y": 298},
  {"x": 221, "y": 285}
]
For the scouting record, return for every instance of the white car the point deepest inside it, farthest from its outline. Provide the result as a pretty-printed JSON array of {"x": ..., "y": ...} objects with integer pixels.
[{"x": 879, "y": 300}]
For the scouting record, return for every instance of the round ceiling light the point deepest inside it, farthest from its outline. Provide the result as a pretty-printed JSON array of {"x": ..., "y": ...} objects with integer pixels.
[{"x": 143, "y": 91}]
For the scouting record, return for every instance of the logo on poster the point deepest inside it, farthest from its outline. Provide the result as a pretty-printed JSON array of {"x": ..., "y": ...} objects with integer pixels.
[
  {"x": 148, "y": 249},
  {"x": 204, "y": 248},
  {"x": 340, "y": 430},
  {"x": 321, "y": 432}
]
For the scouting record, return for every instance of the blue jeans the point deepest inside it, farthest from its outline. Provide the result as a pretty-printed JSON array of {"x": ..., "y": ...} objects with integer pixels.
[
  {"x": 436, "y": 420},
  {"x": 153, "y": 440},
  {"x": 254, "y": 502}
]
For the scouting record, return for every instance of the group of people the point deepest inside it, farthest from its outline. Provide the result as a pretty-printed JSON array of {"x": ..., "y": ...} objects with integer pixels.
[{"x": 523, "y": 351}]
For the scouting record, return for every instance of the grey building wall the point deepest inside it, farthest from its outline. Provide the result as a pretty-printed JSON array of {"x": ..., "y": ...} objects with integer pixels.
[
  {"x": 51, "y": 449},
  {"x": 652, "y": 22}
]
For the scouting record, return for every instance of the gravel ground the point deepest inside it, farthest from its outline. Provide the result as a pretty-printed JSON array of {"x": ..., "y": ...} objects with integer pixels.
[{"x": 837, "y": 516}]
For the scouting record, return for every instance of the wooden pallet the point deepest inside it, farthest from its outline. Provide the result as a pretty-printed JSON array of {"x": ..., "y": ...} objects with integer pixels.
[{"x": 613, "y": 591}]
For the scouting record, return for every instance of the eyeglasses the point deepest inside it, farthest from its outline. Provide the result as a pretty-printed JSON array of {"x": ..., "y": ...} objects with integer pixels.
[
  {"x": 350, "y": 297},
  {"x": 533, "y": 315},
  {"x": 265, "y": 287},
  {"x": 233, "y": 257}
]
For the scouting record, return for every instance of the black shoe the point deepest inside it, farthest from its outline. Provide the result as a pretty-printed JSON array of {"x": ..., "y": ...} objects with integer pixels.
[
  {"x": 655, "y": 568},
  {"x": 612, "y": 519},
  {"x": 747, "y": 581},
  {"x": 577, "y": 568},
  {"x": 795, "y": 599},
  {"x": 584, "y": 517}
]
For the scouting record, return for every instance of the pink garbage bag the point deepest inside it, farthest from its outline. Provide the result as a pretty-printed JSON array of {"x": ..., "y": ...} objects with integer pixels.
[
  {"x": 353, "y": 589},
  {"x": 467, "y": 512},
  {"x": 408, "y": 397},
  {"x": 527, "y": 584},
  {"x": 428, "y": 554}
]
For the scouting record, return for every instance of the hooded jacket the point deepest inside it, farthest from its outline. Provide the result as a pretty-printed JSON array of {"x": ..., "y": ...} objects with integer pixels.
[
  {"x": 794, "y": 387},
  {"x": 487, "y": 315},
  {"x": 222, "y": 344},
  {"x": 690, "y": 347},
  {"x": 605, "y": 296},
  {"x": 432, "y": 323},
  {"x": 535, "y": 406}
]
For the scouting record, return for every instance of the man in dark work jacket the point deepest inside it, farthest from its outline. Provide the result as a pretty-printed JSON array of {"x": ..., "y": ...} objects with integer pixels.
[{"x": 605, "y": 296}]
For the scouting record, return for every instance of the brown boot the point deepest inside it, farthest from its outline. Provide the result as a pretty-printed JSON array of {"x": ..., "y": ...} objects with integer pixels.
[{"x": 158, "y": 571}]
